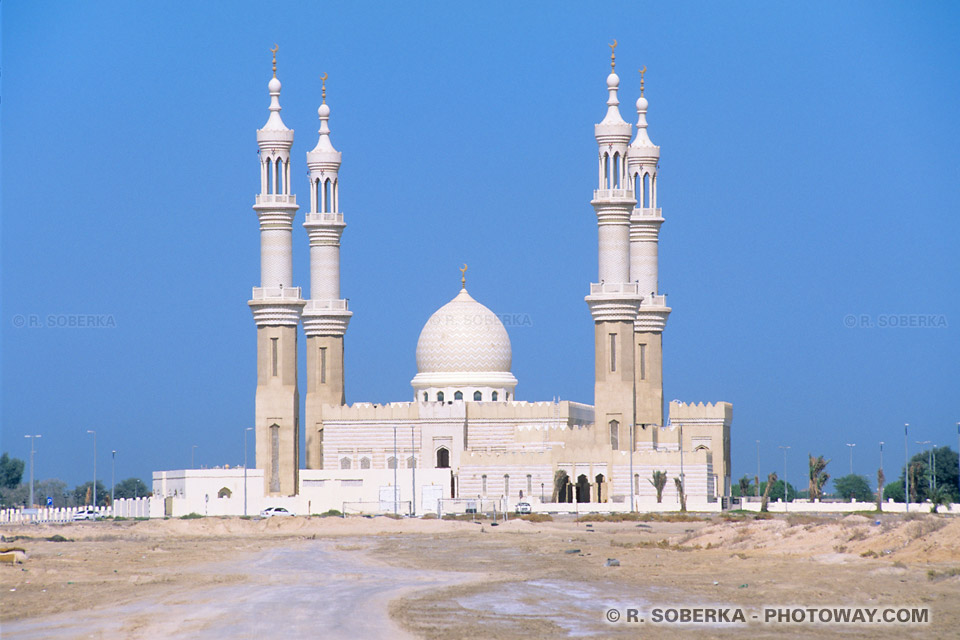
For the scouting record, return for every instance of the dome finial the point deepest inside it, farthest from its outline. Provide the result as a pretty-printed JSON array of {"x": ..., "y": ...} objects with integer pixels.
[
  {"x": 274, "y": 50},
  {"x": 642, "y": 71},
  {"x": 463, "y": 276},
  {"x": 613, "y": 56},
  {"x": 323, "y": 90}
]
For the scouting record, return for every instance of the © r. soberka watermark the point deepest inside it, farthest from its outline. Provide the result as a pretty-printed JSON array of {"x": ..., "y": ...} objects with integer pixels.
[
  {"x": 64, "y": 321},
  {"x": 895, "y": 321},
  {"x": 480, "y": 319},
  {"x": 796, "y": 615}
]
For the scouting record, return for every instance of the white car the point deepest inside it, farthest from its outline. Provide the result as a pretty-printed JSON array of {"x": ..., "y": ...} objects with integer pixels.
[
  {"x": 269, "y": 512},
  {"x": 523, "y": 508},
  {"x": 88, "y": 513}
]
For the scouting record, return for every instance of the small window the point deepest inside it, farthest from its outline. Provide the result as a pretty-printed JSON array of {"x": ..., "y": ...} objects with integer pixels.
[
  {"x": 443, "y": 458},
  {"x": 458, "y": 395},
  {"x": 477, "y": 396},
  {"x": 494, "y": 396},
  {"x": 529, "y": 484},
  {"x": 439, "y": 396},
  {"x": 344, "y": 463},
  {"x": 614, "y": 434},
  {"x": 411, "y": 462},
  {"x": 483, "y": 485},
  {"x": 613, "y": 352},
  {"x": 224, "y": 493},
  {"x": 425, "y": 396},
  {"x": 364, "y": 463},
  {"x": 323, "y": 365},
  {"x": 506, "y": 485},
  {"x": 643, "y": 362},
  {"x": 276, "y": 353},
  {"x": 391, "y": 463}
]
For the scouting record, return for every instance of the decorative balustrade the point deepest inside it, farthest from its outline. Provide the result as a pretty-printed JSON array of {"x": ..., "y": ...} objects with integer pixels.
[
  {"x": 631, "y": 288},
  {"x": 276, "y": 198},
  {"x": 325, "y": 305},
  {"x": 276, "y": 293}
]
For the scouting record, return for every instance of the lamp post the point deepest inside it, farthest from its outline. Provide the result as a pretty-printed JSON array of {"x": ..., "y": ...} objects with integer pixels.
[
  {"x": 851, "y": 456},
  {"x": 879, "y": 488},
  {"x": 906, "y": 468},
  {"x": 32, "y": 440},
  {"x": 784, "y": 476},
  {"x": 930, "y": 478},
  {"x": 94, "y": 467},
  {"x": 113, "y": 479},
  {"x": 245, "y": 469}
]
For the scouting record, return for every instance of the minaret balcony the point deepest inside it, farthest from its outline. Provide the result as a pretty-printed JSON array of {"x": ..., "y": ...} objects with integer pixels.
[
  {"x": 647, "y": 212},
  {"x": 276, "y": 293},
  {"x": 335, "y": 218},
  {"x": 615, "y": 288},
  {"x": 320, "y": 306},
  {"x": 654, "y": 301},
  {"x": 613, "y": 194},
  {"x": 276, "y": 198}
]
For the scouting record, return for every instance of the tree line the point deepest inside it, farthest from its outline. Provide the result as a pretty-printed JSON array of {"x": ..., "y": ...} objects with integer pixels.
[{"x": 15, "y": 492}]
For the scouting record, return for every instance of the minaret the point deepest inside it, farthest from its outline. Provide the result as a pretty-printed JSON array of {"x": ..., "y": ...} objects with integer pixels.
[
  {"x": 643, "y": 159},
  {"x": 325, "y": 317},
  {"x": 276, "y": 307},
  {"x": 614, "y": 300}
]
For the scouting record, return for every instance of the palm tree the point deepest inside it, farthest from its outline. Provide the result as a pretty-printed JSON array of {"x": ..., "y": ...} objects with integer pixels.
[
  {"x": 818, "y": 477},
  {"x": 659, "y": 481},
  {"x": 939, "y": 497},
  {"x": 683, "y": 496},
  {"x": 744, "y": 486},
  {"x": 766, "y": 491}
]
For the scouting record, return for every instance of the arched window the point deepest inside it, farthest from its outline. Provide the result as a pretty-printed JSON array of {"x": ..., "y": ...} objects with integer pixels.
[
  {"x": 646, "y": 190},
  {"x": 391, "y": 463},
  {"x": 317, "y": 206},
  {"x": 458, "y": 395},
  {"x": 439, "y": 396},
  {"x": 335, "y": 198},
  {"x": 364, "y": 463},
  {"x": 411, "y": 462},
  {"x": 508, "y": 396},
  {"x": 443, "y": 458},
  {"x": 483, "y": 485},
  {"x": 278, "y": 176},
  {"x": 506, "y": 485},
  {"x": 615, "y": 182},
  {"x": 425, "y": 396},
  {"x": 344, "y": 463},
  {"x": 268, "y": 172},
  {"x": 636, "y": 189},
  {"x": 326, "y": 196},
  {"x": 224, "y": 493},
  {"x": 529, "y": 484},
  {"x": 494, "y": 396},
  {"x": 614, "y": 434},
  {"x": 477, "y": 396},
  {"x": 606, "y": 171}
]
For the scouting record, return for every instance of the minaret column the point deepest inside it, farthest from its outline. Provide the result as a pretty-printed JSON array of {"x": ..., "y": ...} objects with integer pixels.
[
  {"x": 326, "y": 316},
  {"x": 276, "y": 305}
]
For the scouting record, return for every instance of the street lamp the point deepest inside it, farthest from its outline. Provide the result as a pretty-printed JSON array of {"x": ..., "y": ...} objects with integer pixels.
[
  {"x": 113, "y": 478},
  {"x": 851, "y": 456},
  {"x": 32, "y": 440},
  {"x": 906, "y": 469},
  {"x": 784, "y": 476},
  {"x": 94, "y": 467},
  {"x": 245, "y": 469}
]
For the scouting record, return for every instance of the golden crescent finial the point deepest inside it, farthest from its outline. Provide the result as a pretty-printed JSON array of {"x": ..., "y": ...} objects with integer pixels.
[
  {"x": 274, "y": 50},
  {"x": 323, "y": 93},
  {"x": 613, "y": 55},
  {"x": 642, "y": 71},
  {"x": 463, "y": 276}
]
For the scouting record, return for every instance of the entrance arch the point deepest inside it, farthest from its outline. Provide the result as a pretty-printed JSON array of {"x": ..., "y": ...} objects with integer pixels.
[
  {"x": 583, "y": 488},
  {"x": 443, "y": 458}
]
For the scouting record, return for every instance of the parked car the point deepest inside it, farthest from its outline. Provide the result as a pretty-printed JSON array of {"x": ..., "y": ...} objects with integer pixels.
[
  {"x": 269, "y": 512},
  {"x": 523, "y": 507},
  {"x": 87, "y": 513}
]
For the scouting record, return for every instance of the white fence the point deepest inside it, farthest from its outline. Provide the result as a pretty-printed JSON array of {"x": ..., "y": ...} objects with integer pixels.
[{"x": 122, "y": 508}]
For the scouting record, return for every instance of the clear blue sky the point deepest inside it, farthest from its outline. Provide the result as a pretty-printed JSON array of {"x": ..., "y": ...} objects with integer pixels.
[{"x": 810, "y": 170}]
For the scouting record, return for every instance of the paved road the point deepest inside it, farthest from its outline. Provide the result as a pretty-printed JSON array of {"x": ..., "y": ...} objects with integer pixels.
[{"x": 311, "y": 591}]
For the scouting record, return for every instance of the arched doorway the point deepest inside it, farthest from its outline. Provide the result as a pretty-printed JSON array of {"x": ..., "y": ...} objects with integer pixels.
[
  {"x": 601, "y": 488},
  {"x": 443, "y": 458},
  {"x": 562, "y": 487},
  {"x": 583, "y": 488}
]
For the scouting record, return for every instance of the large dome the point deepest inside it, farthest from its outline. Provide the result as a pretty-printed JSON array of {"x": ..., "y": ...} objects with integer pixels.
[{"x": 463, "y": 336}]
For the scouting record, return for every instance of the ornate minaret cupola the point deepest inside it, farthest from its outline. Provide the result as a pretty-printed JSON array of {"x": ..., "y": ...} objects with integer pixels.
[
  {"x": 325, "y": 317},
  {"x": 643, "y": 159},
  {"x": 276, "y": 307},
  {"x": 615, "y": 299}
]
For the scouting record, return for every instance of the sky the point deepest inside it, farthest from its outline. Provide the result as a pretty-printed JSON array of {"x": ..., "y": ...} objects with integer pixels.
[{"x": 809, "y": 181}]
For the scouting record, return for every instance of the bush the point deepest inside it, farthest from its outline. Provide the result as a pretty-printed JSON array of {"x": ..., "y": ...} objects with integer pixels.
[
  {"x": 191, "y": 516},
  {"x": 537, "y": 517}
]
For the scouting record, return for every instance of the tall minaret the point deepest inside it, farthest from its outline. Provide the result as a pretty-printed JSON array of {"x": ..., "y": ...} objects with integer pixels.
[
  {"x": 643, "y": 159},
  {"x": 614, "y": 300},
  {"x": 325, "y": 317},
  {"x": 276, "y": 307}
]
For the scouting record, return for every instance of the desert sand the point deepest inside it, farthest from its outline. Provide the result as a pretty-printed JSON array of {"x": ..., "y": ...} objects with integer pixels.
[{"x": 424, "y": 578}]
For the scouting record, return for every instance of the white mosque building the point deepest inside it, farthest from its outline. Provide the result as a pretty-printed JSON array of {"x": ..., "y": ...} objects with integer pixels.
[{"x": 464, "y": 436}]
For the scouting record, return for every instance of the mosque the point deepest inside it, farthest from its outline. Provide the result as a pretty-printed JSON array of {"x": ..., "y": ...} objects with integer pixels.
[{"x": 464, "y": 435}]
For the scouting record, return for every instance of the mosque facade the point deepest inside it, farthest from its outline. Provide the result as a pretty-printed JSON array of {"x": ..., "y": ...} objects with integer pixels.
[{"x": 464, "y": 431}]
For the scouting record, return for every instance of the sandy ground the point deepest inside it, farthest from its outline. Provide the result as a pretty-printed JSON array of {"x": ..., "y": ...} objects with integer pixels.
[{"x": 378, "y": 578}]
